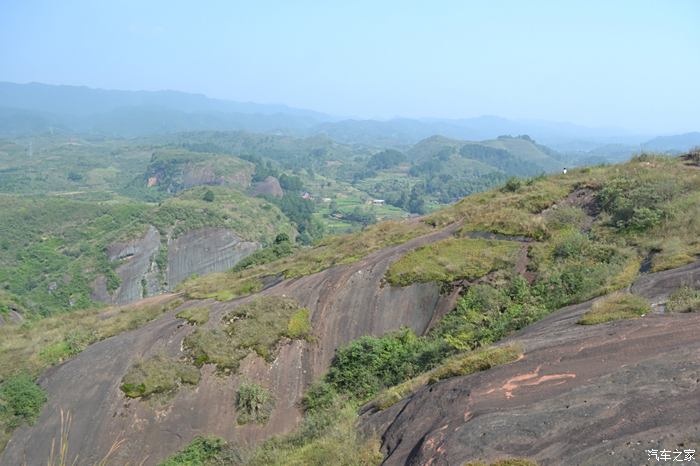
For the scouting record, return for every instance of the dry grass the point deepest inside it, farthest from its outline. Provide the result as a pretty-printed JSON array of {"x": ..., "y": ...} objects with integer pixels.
[
  {"x": 459, "y": 365},
  {"x": 59, "y": 452},
  {"x": 158, "y": 374},
  {"x": 617, "y": 306},
  {"x": 257, "y": 326},
  {"x": 332, "y": 439},
  {"x": 35, "y": 345},
  {"x": 684, "y": 299},
  {"x": 452, "y": 259},
  {"x": 198, "y": 315}
]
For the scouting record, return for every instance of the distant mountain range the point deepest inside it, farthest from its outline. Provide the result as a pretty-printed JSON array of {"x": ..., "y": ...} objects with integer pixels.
[{"x": 33, "y": 108}]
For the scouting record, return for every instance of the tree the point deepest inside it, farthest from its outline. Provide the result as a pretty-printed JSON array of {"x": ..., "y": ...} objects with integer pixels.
[
  {"x": 208, "y": 196},
  {"x": 281, "y": 238}
]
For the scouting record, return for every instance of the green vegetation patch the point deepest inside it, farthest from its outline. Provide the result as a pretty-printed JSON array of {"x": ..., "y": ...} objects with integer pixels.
[
  {"x": 454, "y": 366},
  {"x": 325, "y": 436},
  {"x": 574, "y": 266},
  {"x": 487, "y": 313},
  {"x": 254, "y": 403},
  {"x": 223, "y": 286},
  {"x": 452, "y": 259},
  {"x": 158, "y": 374},
  {"x": 21, "y": 400},
  {"x": 204, "y": 451},
  {"x": 617, "y": 306},
  {"x": 299, "y": 325},
  {"x": 195, "y": 315},
  {"x": 257, "y": 326},
  {"x": 684, "y": 299},
  {"x": 367, "y": 365}
]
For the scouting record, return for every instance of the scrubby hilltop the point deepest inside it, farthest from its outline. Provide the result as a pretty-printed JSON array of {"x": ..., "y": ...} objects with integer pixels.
[{"x": 308, "y": 340}]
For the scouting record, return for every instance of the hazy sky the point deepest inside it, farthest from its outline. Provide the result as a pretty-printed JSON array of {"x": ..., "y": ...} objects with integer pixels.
[{"x": 633, "y": 64}]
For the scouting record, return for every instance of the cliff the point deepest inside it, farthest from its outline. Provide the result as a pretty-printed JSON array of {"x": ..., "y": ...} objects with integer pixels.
[
  {"x": 198, "y": 251},
  {"x": 345, "y": 302}
]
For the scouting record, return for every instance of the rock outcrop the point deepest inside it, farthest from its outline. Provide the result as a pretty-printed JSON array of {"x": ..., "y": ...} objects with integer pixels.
[
  {"x": 270, "y": 186},
  {"x": 345, "y": 303},
  {"x": 138, "y": 273},
  {"x": 11, "y": 316},
  {"x": 203, "y": 251},
  {"x": 196, "y": 175},
  {"x": 199, "y": 251},
  {"x": 596, "y": 395}
]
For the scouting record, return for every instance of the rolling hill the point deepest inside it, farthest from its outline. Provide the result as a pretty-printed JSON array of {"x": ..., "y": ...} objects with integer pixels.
[{"x": 577, "y": 290}]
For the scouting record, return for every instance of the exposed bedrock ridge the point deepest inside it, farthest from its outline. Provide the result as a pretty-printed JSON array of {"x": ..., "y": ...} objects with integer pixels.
[
  {"x": 595, "y": 395},
  {"x": 205, "y": 250},
  {"x": 346, "y": 302},
  {"x": 199, "y": 251},
  {"x": 138, "y": 255}
]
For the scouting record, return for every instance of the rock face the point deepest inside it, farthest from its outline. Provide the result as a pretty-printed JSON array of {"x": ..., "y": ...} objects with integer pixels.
[
  {"x": 205, "y": 250},
  {"x": 138, "y": 273},
  {"x": 11, "y": 317},
  {"x": 269, "y": 186},
  {"x": 196, "y": 252},
  {"x": 593, "y": 395},
  {"x": 345, "y": 303},
  {"x": 196, "y": 175}
]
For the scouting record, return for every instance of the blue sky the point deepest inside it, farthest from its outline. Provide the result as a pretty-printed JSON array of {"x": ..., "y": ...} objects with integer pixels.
[{"x": 633, "y": 64}]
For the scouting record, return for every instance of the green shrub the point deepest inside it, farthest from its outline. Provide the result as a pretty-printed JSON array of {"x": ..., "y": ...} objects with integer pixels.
[
  {"x": 369, "y": 364},
  {"x": 684, "y": 299},
  {"x": 21, "y": 400},
  {"x": 327, "y": 437},
  {"x": 673, "y": 253},
  {"x": 213, "y": 346},
  {"x": 457, "y": 365},
  {"x": 616, "y": 307},
  {"x": 205, "y": 451},
  {"x": 476, "y": 361},
  {"x": 208, "y": 196},
  {"x": 264, "y": 256},
  {"x": 636, "y": 202},
  {"x": 320, "y": 396},
  {"x": 512, "y": 185},
  {"x": 254, "y": 403},
  {"x": 485, "y": 314}
]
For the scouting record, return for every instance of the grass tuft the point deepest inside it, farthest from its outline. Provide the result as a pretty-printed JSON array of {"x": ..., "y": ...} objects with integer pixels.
[
  {"x": 684, "y": 299},
  {"x": 195, "y": 315},
  {"x": 158, "y": 374},
  {"x": 617, "y": 306},
  {"x": 254, "y": 403},
  {"x": 455, "y": 366}
]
